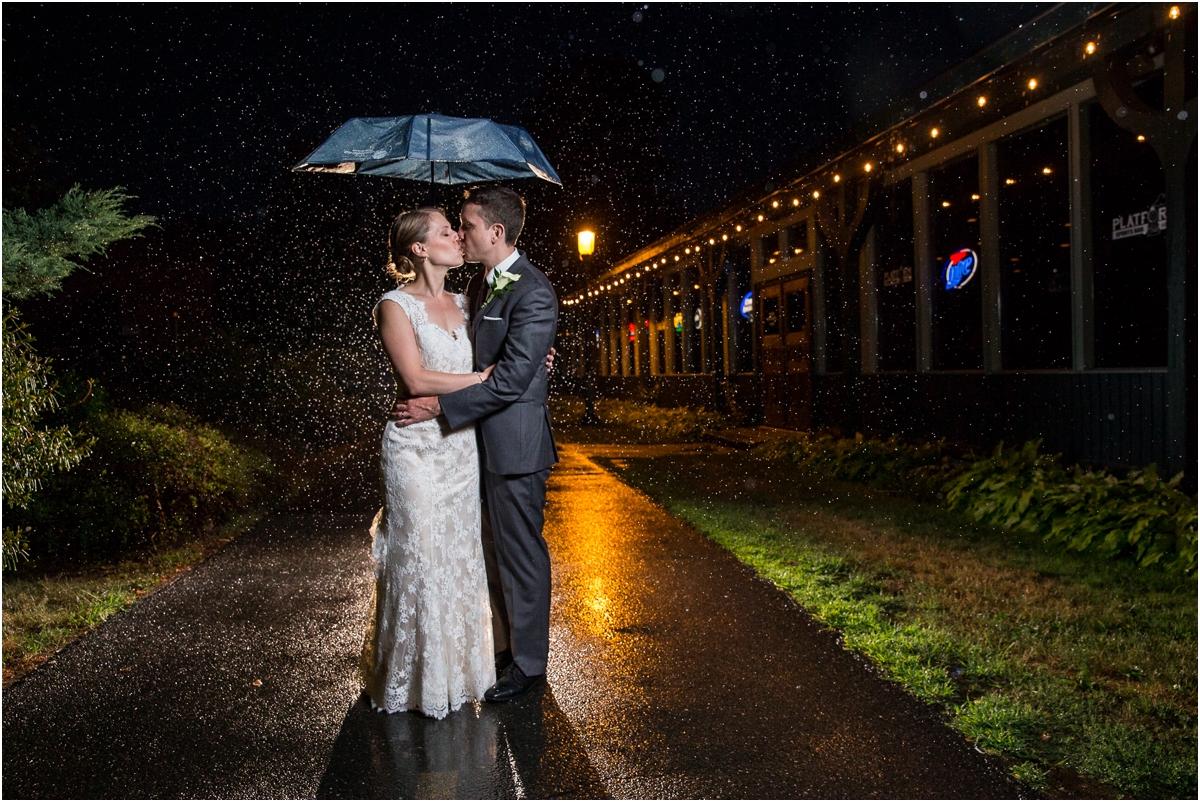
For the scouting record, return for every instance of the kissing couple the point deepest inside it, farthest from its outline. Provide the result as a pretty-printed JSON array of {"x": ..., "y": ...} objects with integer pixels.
[{"x": 462, "y": 577}]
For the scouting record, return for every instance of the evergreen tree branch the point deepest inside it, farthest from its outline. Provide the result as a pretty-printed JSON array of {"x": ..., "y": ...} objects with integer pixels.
[{"x": 42, "y": 249}]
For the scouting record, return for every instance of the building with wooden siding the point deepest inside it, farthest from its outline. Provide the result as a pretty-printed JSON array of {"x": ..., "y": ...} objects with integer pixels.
[{"x": 1009, "y": 253}]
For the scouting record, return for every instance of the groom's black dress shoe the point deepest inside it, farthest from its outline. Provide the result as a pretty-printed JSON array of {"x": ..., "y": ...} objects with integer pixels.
[
  {"x": 503, "y": 661},
  {"x": 512, "y": 684}
]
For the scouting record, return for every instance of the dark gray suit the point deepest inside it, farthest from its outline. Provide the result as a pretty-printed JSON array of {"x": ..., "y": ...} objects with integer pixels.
[{"x": 515, "y": 332}]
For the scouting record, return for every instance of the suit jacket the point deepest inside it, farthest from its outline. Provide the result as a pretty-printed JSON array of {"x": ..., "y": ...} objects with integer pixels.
[{"x": 514, "y": 332}]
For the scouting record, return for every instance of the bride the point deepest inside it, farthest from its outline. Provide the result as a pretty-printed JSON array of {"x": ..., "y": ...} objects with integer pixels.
[{"x": 429, "y": 646}]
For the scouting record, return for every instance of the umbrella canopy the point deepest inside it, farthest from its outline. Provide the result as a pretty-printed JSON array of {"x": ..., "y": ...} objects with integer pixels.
[{"x": 431, "y": 148}]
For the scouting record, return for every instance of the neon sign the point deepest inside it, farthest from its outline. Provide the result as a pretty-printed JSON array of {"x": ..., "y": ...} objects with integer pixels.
[
  {"x": 678, "y": 321},
  {"x": 632, "y": 332},
  {"x": 747, "y": 306},
  {"x": 959, "y": 269}
]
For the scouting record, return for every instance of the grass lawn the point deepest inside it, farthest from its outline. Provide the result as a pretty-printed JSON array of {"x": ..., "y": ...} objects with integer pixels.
[
  {"x": 1080, "y": 672},
  {"x": 44, "y": 610}
]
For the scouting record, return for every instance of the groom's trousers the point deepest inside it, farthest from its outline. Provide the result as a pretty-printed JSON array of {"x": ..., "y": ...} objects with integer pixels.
[{"x": 516, "y": 510}]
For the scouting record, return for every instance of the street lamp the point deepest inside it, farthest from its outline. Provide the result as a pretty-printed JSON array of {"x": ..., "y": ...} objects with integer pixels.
[
  {"x": 587, "y": 384},
  {"x": 587, "y": 243}
]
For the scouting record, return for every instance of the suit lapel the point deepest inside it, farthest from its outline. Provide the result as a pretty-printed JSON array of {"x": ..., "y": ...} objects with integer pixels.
[{"x": 475, "y": 294}]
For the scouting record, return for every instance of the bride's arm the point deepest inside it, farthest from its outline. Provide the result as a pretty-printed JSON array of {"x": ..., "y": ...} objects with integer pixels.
[{"x": 400, "y": 343}]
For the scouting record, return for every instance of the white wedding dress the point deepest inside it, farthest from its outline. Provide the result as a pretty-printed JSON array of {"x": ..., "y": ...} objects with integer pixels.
[{"x": 429, "y": 644}]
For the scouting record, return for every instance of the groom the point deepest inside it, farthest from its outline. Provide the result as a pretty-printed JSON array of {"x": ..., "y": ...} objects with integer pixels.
[{"x": 514, "y": 316}]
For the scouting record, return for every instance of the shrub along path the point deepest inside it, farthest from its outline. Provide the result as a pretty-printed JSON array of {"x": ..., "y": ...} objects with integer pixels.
[{"x": 675, "y": 672}]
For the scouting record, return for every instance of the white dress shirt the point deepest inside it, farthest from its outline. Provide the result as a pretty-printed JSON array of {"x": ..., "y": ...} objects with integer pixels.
[{"x": 504, "y": 265}]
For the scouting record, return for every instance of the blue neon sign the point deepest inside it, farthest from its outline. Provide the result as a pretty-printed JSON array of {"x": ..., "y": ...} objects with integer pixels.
[
  {"x": 959, "y": 269},
  {"x": 747, "y": 305}
]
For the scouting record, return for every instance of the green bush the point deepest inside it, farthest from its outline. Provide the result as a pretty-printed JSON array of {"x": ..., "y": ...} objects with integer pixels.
[
  {"x": 892, "y": 464},
  {"x": 154, "y": 477},
  {"x": 666, "y": 423},
  {"x": 1140, "y": 517},
  {"x": 33, "y": 452}
]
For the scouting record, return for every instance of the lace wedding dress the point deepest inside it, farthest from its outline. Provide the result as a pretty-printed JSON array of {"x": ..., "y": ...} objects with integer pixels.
[{"x": 429, "y": 645}]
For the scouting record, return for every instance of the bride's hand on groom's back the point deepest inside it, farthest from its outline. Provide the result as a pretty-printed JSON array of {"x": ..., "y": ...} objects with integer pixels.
[
  {"x": 407, "y": 411},
  {"x": 550, "y": 359}
]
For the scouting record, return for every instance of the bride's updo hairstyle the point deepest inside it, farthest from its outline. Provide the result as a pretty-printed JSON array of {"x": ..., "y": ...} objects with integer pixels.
[{"x": 407, "y": 228}]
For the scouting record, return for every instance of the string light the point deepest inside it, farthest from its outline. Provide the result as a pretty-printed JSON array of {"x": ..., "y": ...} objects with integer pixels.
[
  {"x": 1141, "y": 138},
  {"x": 795, "y": 201},
  {"x": 816, "y": 193},
  {"x": 1090, "y": 48},
  {"x": 1010, "y": 181},
  {"x": 933, "y": 132},
  {"x": 868, "y": 167},
  {"x": 1046, "y": 171},
  {"x": 738, "y": 227},
  {"x": 945, "y": 204},
  {"x": 676, "y": 257},
  {"x": 1033, "y": 83},
  {"x": 900, "y": 147},
  {"x": 974, "y": 197},
  {"x": 775, "y": 204},
  {"x": 724, "y": 237},
  {"x": 981, "y": 100},
  {"x": 1174, "y": 12},
  {"x": 712, "y": 241},
  {"x": 837, "y": 178},
  {"x": 760, "y": 218}
]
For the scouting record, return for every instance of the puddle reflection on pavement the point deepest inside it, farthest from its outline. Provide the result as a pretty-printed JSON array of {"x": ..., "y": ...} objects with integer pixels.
[{"x": 524, "y": 749}]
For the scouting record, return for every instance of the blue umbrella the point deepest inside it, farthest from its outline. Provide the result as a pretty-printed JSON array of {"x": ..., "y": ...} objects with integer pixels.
[{"x": 431, "y": 148}]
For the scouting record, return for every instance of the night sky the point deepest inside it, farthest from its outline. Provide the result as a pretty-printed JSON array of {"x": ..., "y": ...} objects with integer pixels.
[{"x": 194, "y": 108}]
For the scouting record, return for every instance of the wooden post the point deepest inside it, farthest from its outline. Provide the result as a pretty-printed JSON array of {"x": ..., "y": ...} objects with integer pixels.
[
  {"x": 989, "y": 256},
  {"x": 923, "y": 268},
  {"x": 1079, "y": 150}
]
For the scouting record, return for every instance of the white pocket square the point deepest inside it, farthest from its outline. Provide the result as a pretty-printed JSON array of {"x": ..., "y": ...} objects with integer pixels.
[{"x": 489, "y": 317}]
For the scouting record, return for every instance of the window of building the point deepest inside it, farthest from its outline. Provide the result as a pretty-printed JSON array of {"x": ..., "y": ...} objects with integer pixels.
[
  {"x": 1035, "y": 249},
  {"x": 1129, "y": 249},
  {"x": 831, "y": 273},
  {"x": 896, "y": 293},
  {"x": 674, "y": 306},
  {"x": 769, "y": 248},
  {"x": 797, "y": 238},
  {"x": 957, "y": 300},
  {"x": 741, "y": 347},
  {"x": 770, "y": 315},
  {"x": 796, "y": 306}
]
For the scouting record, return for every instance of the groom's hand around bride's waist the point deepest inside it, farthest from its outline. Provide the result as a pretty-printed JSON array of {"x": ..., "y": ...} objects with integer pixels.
[{"x": 407, "y": 411}]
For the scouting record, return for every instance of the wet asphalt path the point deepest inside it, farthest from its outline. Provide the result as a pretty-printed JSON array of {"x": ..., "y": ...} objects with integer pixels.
[{"x": 674, "y": 673}]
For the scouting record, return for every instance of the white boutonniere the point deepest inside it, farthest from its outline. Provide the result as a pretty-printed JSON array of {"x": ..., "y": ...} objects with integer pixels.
[{"x": 503, "y": 282}]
